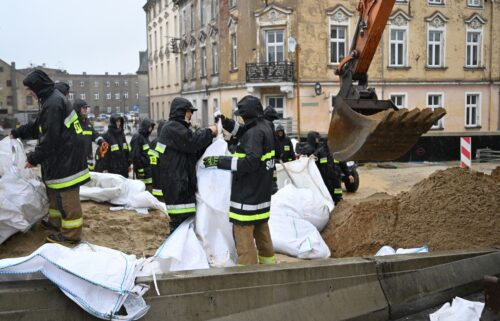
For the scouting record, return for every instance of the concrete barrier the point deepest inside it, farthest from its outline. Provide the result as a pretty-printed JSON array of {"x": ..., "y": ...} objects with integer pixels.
[{"x": 334, "y": 289}]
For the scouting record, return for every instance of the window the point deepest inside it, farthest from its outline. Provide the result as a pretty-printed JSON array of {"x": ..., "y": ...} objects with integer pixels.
[
  {"x": 9, "y": 83},
  {"x": 398, "y": 48},
  {"x": 234, "y": 106},
  {"x": 473, "y": 49},
  {"x": 108, "y": 83},
  {"x": 125, "y": 95},
  {"x": 234, "y": 52},
  {"x": 214, "y": 9},
  {"x": 183, "y": 22},
  {"x": 186, "y": 67},
  {"x": 176, "y": 69},
  {"x": 338, "y": 43},
  {"x": 117, "y": 96},
  {"x": 274, "y": 46},
  {"x": 71, "y": 96},
  {"x": 435, "y": 100},
  {"x": 137, "y": 96},
  {"x": 82, "y": 96},
  {"x": 70, "y": 83},
  {"x": 472, "y": 109},
  {"x": 193, "y": 64},
  {"x": 474, "y": 3},
  {"x": 96, "y": 96},
  {"x": 96, "y": 83},
  {"x": 9, "y": 100},
  {"x": 435, "y": 1},
  {"x": 109, "y": 110},
  {"x": 399, "y": 100},
  {"x": 435, "y": 48},
  {"x": 29, "y": 100},
  {"x": 125, "y": 82},
  {"x": 82, "y": 83},
  {"x": 117, "y": 83},
  {"x": 137, "y": 84},
  {"x": 202, "y": 12},
  {"x": 168, "y": 72},
  {"x": 216, "y": 104},
  {"x": 232, "y": 3},
  {"x": 203, "y": 61},
  {"x": 117, "y": 108},
  {"x": 192, "y": 18},
  {"x": 277, "y": 103},
  {"x": 215, "y": 58},
  {"x": 108, "y": 96}
]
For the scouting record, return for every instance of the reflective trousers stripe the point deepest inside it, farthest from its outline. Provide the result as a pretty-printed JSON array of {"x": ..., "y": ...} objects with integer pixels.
[
  {"x": 147, "y": 180},
  {"x": 264, "y": 157},
  {"x": 145, "y": 147},
  {"x": 248, "y": 207},
  {"x": 140, "y": 170},
  {"x": 287, "y": 148},
  {"x": 337, "y": 191},
  {"x": 267, "y": 260},
  {"x": 182, "y": 210},
  {"x": 157, "y": 192},
  {"x": 323, "y": 160},
  {"x": 72, "y": 223},
  {"x": 53, "y": 213},
  {"x": 114, "y": 148},
  {"x": 69, "y": 181},
  {"x": 250, "y": 217}
]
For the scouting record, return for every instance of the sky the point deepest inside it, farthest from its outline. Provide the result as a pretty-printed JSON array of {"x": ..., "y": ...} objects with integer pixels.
[{"x": 95, "y": 36}]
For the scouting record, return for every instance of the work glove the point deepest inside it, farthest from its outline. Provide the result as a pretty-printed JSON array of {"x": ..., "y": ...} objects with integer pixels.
[
  {"x": 211, "y": 161},
  {"x": 218, "y": 116}
]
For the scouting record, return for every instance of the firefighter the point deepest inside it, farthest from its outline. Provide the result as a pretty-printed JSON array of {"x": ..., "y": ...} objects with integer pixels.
[
  {"x": 61, "y": 152},
  {"x": 284, "y": 145},
  {"x": 252, "y": 166},
  {"x": 179, "y": 148},
  {"x": 115, "y": 159},
  {"x": 140, "y": 146},
  {"x": 153, "y": 162},
  {"x": 334, "y": 172}
]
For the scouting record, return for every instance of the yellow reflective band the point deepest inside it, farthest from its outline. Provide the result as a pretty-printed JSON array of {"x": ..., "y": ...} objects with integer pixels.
[
  {"x": 53, "y": 213},
  {"x": 141, "y": 170},
  {"x": 71, "y": 182},
  {"x": 40, "y": 129},
  {"x": 181, "y": 210},
  {"x": 275, "y": 174},
  {"x": 114, "y": 147},
  {"x": 337, "y": 191},
  {"x": 249, "y": 218},
  {"x": 336, "y": 161},
  {"x": 153, "y": 153},
  {"x": 287, "y": 148},
  {"x": 239, "y": 155},
  {"x": 70, "y": 119},
  {"x": 157, "y": 192},
  {"x": 91, "y": 167},
  {"x": 78, "y": 127},
  {"x": 145, "y": 147},
  {"x": 267, "y": 260},
  {"x": 87, "y": 132},
  {"x": 267, "y": 156},
  {"x": 147, "y": 181},
  {"x": 72, "y": 223},
  {"x": 323, "y": 160},
  {"x": 153, "y": 160},
  {"x": 125, "y": 146},
  {"x": 160, "y": 148}
]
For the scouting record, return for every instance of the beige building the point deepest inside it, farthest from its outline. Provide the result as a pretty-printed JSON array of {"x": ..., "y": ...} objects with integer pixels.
[{"x": 163, "y": 25}]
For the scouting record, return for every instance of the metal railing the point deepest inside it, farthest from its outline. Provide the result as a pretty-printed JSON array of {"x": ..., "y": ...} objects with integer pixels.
[
  {"x": 487, "y": 155},
  {"x": 270, "y": 72}
]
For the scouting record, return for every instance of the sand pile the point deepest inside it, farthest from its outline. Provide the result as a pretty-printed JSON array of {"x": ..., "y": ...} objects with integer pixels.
[
  {"x": 126, "y": 231},
  {"x": 452, "y": 209},
  {"x": 496, "y": 173}
]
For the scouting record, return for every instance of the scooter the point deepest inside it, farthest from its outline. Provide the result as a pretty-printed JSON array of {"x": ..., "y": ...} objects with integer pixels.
[{"x": 352, "y": 168}]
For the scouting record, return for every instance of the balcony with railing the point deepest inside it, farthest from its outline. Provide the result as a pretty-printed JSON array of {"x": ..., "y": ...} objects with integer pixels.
[{"x": 270, "y": 72}]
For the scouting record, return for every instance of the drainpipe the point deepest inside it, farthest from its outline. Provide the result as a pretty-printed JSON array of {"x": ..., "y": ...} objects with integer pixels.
[{"x": 490, "y": 80}]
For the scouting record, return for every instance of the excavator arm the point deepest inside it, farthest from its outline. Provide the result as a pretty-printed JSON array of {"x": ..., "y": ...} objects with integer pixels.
[{"x": 362, "y": 127}]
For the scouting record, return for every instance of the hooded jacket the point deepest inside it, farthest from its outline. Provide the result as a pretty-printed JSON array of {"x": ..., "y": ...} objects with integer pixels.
[
  {"x": 140, "y": 146},
  {"x": 60, "y": 148},
  {"x": 252, "y": 166},
  {"x": 116, "y": 160},
  {"x": 178, "y": 149},
  {"x": 153, "y": 162},
  {"x": 62, "y": 87},
  {"x": 284, "y": 146},
  {"x": 83, "y": 125}
]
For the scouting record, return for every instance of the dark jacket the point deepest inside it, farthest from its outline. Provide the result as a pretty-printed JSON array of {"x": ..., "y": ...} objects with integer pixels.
[
  {"x": 117, "y": 159},
  {"x": 284, "y": 146},
  {"x": 153, "y": 162},
  {"x": 179, "y": 148},
  {"x": 252, "y": 166},
  {"x": 60, "y": 149},
  {"x": 140, "y": 147},
  {"x": 88, "y": 133}
]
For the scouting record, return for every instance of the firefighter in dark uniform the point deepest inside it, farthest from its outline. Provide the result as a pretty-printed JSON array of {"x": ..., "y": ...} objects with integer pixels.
[
  {"x": 153, "y": 162},
  {"x": 116, "y": 159},
  {"x": 140, "y": 146},
  {"x": 284, "y": 145},
  {"x": 252, "y": 166},
  {"x": 179, "y": 148},
  {"x": 61, "y": 152}
]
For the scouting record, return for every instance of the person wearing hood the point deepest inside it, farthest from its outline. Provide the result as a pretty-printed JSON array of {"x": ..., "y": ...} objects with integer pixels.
[
  {"x": 61, "y": 152},
  {"x": 62, "y": 87},
  {"x": 153, "y": 162},
  {"x": 115, "y": 159},
  {"x": 285, "y": 151},
  {"x": 140, "y": 146},
  {"x": 252, "y": 166},
  {"x": 178, "y": 149}
]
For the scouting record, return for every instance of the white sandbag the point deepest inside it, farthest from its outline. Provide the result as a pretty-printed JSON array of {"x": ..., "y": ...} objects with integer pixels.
[
  {"x": 23, "y": 198},
  {"x": 303, "y": 203},
  {"x": 181, "y": 251},
  {"x": 100, "y": 280},
  {"x": 297, "y": 237},
  {"x": 304, "y": 174},
  {"x": 459, "y": 310},
  {"x": 213, "y": 228}
]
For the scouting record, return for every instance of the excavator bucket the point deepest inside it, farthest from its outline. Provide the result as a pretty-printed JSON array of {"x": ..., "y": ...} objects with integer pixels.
[{"x": 375, "y": 130}]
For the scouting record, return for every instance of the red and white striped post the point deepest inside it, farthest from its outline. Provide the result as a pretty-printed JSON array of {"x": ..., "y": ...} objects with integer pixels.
[{"x": 465, "y": 152}]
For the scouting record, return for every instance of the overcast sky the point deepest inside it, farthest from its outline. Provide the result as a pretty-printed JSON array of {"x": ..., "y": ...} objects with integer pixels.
[{"x": 76, "y": 35}]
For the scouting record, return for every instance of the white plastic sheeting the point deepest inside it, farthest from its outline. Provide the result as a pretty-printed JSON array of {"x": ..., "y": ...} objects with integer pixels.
[
  {"x": 23, "y": 199},
  {"x": 388, "y": 250},
  {"x": 459, "y": 310},
  {"x": 100, "y": 280},
  {"x": 118, "y": 190}
]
